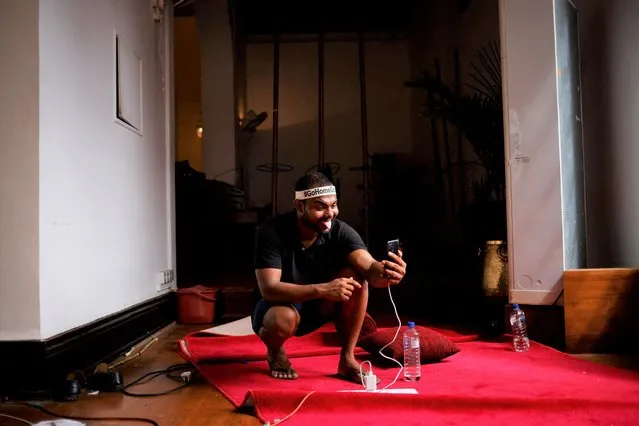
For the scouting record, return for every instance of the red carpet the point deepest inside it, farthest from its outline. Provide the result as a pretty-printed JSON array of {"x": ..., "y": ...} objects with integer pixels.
[
  {"x": 201, "y": 347},
  {"x": 209, "y": 348},
  {"x": 485, "y": 383}
]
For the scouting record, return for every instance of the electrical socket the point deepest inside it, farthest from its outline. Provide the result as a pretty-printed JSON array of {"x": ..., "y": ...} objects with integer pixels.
[{"x": 165, "y": 280}]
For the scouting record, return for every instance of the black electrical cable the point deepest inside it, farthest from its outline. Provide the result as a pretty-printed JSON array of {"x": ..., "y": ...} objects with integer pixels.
[{"x": 181, "y": 373}]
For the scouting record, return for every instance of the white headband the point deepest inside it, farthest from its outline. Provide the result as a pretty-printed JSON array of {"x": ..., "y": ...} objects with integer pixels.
[{"x": 315, "y": 192}]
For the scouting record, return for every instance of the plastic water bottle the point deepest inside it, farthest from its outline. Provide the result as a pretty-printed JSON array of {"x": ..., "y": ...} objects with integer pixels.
[
  {"x": 518, "y": 327},
  {"x": 412, "y": 365}
]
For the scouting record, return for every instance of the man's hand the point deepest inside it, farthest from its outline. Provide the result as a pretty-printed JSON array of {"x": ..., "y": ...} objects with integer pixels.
[
  {"x": 394, "y": 269},
  {"x": 378, "y": 274},
  {"x": 340, "y": 289}
]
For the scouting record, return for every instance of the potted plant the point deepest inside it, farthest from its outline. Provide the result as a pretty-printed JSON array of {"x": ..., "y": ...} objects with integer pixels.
[{"x": 478, "y": 116}]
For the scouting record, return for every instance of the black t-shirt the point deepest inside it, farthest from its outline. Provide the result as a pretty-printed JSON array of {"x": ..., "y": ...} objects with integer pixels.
[{"x": 278, "y": 245}]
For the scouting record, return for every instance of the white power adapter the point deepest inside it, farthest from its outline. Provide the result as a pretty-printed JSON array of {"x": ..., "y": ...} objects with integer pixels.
[{"x": 370, "y": 381}]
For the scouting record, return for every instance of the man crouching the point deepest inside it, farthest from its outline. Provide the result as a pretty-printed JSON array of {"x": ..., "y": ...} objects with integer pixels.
[{"x": 312, "y": 268}]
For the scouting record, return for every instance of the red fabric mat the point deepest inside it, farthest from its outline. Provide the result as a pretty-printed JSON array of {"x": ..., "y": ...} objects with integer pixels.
[
  {"x": 201, "y": 347},
  {"x": 485, "y": 383},
  {"x": 209, "y": 348}
]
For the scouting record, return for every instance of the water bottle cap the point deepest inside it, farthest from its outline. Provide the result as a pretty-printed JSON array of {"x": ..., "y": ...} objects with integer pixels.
[
  {"x": 411, "y": 324},
  {"x": 515, "y": 305}
]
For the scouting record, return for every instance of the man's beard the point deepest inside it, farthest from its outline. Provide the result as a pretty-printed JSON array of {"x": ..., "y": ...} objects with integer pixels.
[{"x": 317, "y": 227}]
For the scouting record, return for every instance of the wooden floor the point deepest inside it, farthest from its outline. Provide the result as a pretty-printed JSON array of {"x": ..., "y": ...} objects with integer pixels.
[
  {"x": 625, "y": 362},
  {"x": 197, "y": 404}
]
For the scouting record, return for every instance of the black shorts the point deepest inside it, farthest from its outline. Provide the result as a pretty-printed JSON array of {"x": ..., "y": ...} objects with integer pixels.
[{"x": 311, "y": 317}]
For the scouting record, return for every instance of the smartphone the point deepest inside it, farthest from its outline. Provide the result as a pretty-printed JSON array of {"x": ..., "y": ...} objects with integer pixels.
[{"x": 393, "y": 246}]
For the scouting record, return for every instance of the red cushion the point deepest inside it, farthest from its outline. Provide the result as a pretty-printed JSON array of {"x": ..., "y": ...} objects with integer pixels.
[{"x": 434, "y": 346}]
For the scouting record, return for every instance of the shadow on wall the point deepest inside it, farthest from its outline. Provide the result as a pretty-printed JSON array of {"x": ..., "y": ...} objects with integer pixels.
[
  {"x": 601, "y": 198},
  {"x": 601, "y": 310},
  {"x": 620, "y": 333}
]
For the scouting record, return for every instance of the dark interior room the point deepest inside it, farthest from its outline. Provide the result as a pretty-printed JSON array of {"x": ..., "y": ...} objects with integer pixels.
[{"x": 261, "y": 212}]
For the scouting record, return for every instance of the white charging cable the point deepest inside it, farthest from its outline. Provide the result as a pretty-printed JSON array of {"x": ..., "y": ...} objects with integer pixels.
[
  {"x": 369, "y": 380},
  {"x": 399, "y": 327}
]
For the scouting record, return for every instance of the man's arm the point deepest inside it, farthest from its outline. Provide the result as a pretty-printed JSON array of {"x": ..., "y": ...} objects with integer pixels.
[
  {"x": 274, "y": 290},
  {"x": 374, "y": 271},
  {"x": 268, "y": 271},
  {"x": 378, "y": 274}
]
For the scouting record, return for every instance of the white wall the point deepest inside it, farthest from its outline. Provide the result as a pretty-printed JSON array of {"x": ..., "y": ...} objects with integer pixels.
[
  {"x": 534, "y": 189},
  {"x": 610, "y": 78},
  {"x": 100, "y": 194},
  {"x": 610, "y": 98},
  {"x": 19, "y": 127},
  {"x": 544, "y": 236},
  {"x": 388, "y": 104},
  {"x": 103, "y": 189}
]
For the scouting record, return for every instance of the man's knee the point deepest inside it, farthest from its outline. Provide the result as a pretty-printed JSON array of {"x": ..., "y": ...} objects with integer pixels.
[
  {"x": 282, "y": 319},
  {"x": 349, "y": 272}
]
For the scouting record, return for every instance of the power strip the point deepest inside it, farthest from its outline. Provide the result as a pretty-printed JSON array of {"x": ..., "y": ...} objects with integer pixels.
[{"x": 405, "y": 391}]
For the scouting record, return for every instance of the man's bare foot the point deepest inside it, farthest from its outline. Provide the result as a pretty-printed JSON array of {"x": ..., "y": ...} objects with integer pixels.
[
  {"x": 347, "y": 363},
  {"x": 280, "y": 366},
  {"x": 348, "y": 369}
]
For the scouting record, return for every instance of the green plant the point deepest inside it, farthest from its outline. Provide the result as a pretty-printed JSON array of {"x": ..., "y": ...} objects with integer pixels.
[{"x": 478, "y": 115}]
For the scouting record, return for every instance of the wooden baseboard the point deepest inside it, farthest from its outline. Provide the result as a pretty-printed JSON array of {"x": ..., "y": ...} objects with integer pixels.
[
  {"x": 32, "y": 369},
  {"x": 601, "y": 310}
]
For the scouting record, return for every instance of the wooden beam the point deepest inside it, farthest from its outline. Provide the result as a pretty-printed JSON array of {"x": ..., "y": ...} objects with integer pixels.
[{"x": 601, "y": 310}]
